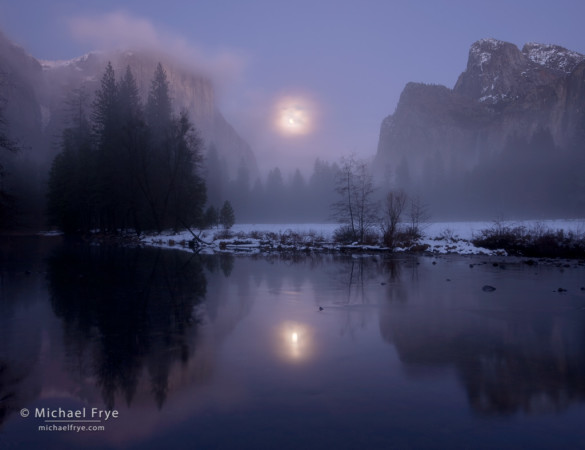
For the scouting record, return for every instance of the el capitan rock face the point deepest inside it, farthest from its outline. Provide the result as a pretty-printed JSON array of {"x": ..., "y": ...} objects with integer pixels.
[
  {"x": 189, "y": 90},
  {"x": 37, "y": 98},
  {"x": 36, "y": 95},
  {"x": 510, "y": 110}
]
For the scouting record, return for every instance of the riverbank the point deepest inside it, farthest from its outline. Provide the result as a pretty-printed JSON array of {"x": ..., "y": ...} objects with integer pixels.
[{"x": 438, "y": 238}]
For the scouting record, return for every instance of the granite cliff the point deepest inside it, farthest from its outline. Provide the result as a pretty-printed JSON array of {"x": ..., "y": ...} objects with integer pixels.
[
  {"x": 508, "y": 138},
  {"x": 190, "y": 91},
  {"x": 35, "y": 94},
  {"x": 34, "y": 98}
]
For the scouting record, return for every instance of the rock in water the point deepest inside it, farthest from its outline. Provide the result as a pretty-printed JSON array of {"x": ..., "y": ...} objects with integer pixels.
[{"x": 488, "y": 288}]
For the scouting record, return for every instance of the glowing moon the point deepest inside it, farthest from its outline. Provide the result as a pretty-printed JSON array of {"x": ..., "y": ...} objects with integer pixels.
[
  {"x": 294, "y": 342},
  {"x": 294, "y": 116}
]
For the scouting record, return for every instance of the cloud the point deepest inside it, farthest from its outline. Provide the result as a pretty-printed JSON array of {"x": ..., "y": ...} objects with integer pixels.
[{"x": 122, "y": 31}]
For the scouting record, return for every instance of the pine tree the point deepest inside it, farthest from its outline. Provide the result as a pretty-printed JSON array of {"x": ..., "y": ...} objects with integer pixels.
[
  {"x": 132, "y": 167},
  {"x": 211, "y": 217},
  {"x": 275, "y": 193},
  {"x": 106, "y": 128},
  {"x": 159, "y": 122},
  {"x": 186, "y": 188},
  {"x": 134, "y": 153},
  {"x": 227, "y": 217},
  {"x": 176, "y": 192},
  {"x": 71, "y": 197},
  {"x": 159, "y": 109}
]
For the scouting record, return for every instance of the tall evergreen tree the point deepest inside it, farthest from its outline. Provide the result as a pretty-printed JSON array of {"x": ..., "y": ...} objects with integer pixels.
[
  {"x": 139, "y": 167},
  {"x": 176, "y": 191},
  {"x": 227, "y": 217},
  {"x": 159, "y": 111},
  {"x": 73, "y": 179},
  {"x": 133, "y": 158},
  {"x": 159, "y": 122},
  {"x": 275, "y": 192},
  {"x": 186, "y": 188},
  {"x": 106, "y": 127}
]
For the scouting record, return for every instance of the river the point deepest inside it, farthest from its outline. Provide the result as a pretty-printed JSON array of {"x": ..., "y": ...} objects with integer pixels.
[{"x": 286, "y": 350}]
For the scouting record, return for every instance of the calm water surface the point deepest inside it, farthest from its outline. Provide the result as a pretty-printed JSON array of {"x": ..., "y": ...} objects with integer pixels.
[{"x": 222, "y": 352}]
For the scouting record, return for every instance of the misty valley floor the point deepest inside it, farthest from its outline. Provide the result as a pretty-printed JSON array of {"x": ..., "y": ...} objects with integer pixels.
[{"x": 233, "y": 351}]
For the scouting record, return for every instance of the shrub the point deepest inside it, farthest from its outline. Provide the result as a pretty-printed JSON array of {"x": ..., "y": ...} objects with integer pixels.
[
  {"x": 272, "y": 236},
  {"x": 371, "y": 238},
  {"x": 536, "y": 242},
  {"x": 344, "y": 235},
  {"x": 223, "y": 234},
  {"x": 254, "y": 234}
]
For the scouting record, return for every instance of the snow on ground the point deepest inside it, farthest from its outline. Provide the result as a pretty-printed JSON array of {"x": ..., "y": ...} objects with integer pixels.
[
  {"x": 439, "y": 237},
  {"x": 324, "y": 229},
  {"x": 467, "y": 230}
]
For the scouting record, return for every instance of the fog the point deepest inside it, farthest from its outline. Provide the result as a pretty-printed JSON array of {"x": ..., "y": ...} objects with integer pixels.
[{"x": 280, "y": 94}]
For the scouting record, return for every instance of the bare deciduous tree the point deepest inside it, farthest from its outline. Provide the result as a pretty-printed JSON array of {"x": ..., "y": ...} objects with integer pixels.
[
  {"x": 356, "y": 209},
  {"x": 418, "y": 215},
  {"x": 393, "y": 209}
]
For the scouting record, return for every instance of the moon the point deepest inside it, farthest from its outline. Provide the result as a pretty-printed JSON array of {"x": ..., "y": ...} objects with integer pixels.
[{"x": 294, "y": 115}]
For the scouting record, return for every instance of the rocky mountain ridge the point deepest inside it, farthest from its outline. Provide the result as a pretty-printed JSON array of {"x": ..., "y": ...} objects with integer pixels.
[{"x": 505, "y": 108}]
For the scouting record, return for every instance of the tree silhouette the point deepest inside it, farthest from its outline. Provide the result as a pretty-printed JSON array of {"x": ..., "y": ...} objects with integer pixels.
[
  {"x": 129, "y": 166},
  {"x": 356, "y": 209},
  {"x": 227, "y": 217}
]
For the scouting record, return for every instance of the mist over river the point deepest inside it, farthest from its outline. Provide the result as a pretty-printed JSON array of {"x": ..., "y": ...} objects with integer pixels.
[{"x": 286, "y": 350}]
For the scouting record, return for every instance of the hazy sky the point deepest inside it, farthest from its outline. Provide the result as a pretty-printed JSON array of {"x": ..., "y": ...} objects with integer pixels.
[{"x": 338, "y": 66}]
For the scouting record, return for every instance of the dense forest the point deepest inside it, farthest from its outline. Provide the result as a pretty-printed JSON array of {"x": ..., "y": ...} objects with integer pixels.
[
  {"x": 125, "y": 165},
  {"x": 129, "y": 163}
]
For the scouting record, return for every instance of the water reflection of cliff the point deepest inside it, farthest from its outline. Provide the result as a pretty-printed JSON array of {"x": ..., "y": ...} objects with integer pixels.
[
  {"x": 508, "y": 360},
  {"x": 125, "y": 313}
]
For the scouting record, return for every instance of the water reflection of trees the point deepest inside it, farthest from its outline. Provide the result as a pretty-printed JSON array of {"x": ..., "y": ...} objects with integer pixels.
[
  {"x": 507, "y": 362},
  {"x": 126, "y": 312}
]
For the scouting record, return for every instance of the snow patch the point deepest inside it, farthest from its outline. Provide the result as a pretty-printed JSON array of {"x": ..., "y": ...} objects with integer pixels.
[
  {"x": 49, "y": 65},
  {"x": 439, "y": 238},
  {"x": 553, "y": 56},
  {"x": 481, "y": 51}
]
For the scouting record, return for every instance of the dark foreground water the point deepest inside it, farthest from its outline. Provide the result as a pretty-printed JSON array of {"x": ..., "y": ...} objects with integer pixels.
[{"x": 232, "y": 352}]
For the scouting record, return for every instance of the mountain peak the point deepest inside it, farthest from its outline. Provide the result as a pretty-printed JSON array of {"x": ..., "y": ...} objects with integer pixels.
[
  {"x": 488, "y": 44},
  {"x": 508, "y": 135},
  {"x": 483, "y": 52},
  {"x": 492, "y": 66},
  {"x": 552, "y": 56},
  {"x": 498, "y": 72}
]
